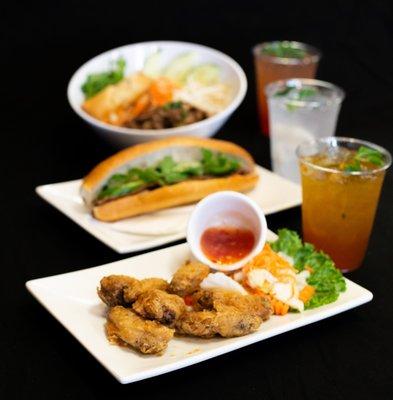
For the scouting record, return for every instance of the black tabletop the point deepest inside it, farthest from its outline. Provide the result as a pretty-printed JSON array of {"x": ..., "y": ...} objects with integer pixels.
[{"x": 43, "y": 141}]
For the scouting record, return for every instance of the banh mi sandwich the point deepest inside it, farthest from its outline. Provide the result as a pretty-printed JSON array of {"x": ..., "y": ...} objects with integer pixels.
[{"x": 165, "y": 173}]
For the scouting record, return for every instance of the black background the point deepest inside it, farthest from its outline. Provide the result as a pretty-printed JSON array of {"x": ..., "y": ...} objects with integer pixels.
[{"x": 43, "y": 141}]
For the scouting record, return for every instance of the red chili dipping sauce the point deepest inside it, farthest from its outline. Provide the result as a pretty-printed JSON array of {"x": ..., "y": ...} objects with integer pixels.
[{"x": 227, "y": 244}]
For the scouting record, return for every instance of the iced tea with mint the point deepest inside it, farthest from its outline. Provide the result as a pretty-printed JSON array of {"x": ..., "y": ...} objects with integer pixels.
[
  {"x": 281, "y": 60},
  {"x": 341, "y": 182}
]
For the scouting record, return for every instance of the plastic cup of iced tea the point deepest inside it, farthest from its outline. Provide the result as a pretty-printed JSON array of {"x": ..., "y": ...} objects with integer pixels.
[
  {"x": 341, "y": 183},
  {"x": 279, "y": 60}
]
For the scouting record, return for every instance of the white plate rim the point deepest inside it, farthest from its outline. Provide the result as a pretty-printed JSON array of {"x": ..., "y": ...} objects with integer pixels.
[{"x": 41, "y": 191}]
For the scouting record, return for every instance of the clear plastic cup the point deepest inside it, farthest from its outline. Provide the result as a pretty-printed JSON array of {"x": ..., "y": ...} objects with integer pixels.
[
  {"x": 299, "y": 110},
  {"x": 301, "y": 62},
  {"x": 339, "y": 206}
]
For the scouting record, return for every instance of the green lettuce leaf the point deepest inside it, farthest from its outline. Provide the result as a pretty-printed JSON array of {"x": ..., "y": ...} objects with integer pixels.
[
  {"x": 288, "y": 242},
  {"x": 327, "y": 280},
  {"x": 96, "y": 82}
]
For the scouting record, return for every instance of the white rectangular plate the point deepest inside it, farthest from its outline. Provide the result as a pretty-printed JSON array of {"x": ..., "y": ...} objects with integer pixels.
[
  {"x": 273, "y": 193},
  {"x": 72, "y": 299}
]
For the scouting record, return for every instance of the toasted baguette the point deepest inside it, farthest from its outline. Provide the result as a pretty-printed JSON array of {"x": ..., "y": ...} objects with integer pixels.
[
  {"x": 166, "y": 196},
  {"x": 106, "y": 104}
]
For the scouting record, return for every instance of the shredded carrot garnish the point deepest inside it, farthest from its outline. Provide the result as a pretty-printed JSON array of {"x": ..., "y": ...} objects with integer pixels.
[
  {"x": 161, "y": 91},
  {"x": 271, "y": 261},
  {"x": 306, "y": 293},
  {"x": 140, "y": 105},
  {"x": 279, "y": 308}
]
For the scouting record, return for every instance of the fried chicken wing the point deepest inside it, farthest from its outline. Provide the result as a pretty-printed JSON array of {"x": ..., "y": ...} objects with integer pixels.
[
  {"x": 230, "y": 322},
  {"x": 197, "y": 323},
  {"x": 149, "y": 337},
  {"x": 131, "y": 293},
  {"x": 112, "y": 288},
  {"x": 188, "y": 277},
  {"x": 161, "y": 306},
  {"x": 213, "y": 299},
  {"x": 224, "y": 313}
]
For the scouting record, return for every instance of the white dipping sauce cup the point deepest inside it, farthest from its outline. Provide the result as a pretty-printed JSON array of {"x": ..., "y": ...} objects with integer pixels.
[{"x": 226, "y": 209}]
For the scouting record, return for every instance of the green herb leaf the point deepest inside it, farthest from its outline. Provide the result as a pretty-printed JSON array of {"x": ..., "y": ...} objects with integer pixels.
[
  {"x": 284, "y": 49},
  {"x": 291, "y": 106},
  {"x": 193, "y": 168},
  {"x": 366, "y": 154},
  {"x": 117, "y": 179},
  {"x": 173, "y": 105},
  {"x": 284, "y": 91},
  {"x": 353, "y": 167},
  {"x": 168, "y": 172},
  {"x": 175, "y": 177},
  {"x": 121, "y": 190},
  {"x": 218, "y": 164},
  {"x": 306, "y": 92},
  {"x": 166, "y": 165},
  {"x": 96, "y": 82}
]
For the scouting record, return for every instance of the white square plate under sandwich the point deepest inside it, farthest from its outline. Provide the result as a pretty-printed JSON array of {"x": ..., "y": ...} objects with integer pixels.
[
  {"x": 273, "y": 193},
  {"x": 72, "y": 299}
]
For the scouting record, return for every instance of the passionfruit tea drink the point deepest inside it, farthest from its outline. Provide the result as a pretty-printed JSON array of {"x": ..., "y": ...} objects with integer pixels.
[
  {"x": 341, "y": 182},
  {"x": 281, "y": 60},
  {"x": 299, "y": 110}
]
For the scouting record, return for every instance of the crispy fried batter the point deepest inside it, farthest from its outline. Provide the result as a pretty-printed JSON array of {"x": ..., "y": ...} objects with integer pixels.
[
  {"x": 188, "y": 277},
  {"x": 149, "y": 337},
  {"x": 131, "y": 293},
  {"x": 111, "y": 334},
  {"x": 197, "y": 323},
  {"x": 216, "y": 312},
  {"x": 156, "y": 304},
  {"x": 112, "y": 287},
  {"x": 231, "y": 322},
  {"x": 225, "y": 313},
  {"x": 249, "y": 304},
  {"x": 227, "y": 322}
]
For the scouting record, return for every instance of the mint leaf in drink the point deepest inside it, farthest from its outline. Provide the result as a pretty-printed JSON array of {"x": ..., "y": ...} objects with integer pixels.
[
  {"x": 306, "y": 92},
  {"x": 353, "y": 167},
  {"x": 291, "y": 106},
  {"x": 96, "y": 82},
  {"x": 366, "y": 154},
  {"x": 284, "y": 49},
  {"x": 284, "y": 91},
  {"x": 296, "y": 94}
]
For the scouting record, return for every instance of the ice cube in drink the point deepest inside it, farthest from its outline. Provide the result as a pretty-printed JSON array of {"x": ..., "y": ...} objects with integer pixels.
[{"x": 299, "y": 110}]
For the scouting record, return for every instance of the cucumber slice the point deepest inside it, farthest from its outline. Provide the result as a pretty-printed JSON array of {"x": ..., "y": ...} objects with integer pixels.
[
  {"x": 179, "y": 68},
  {"x": 205, "y": 74},
  {"x": 153, "y": 65}
]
